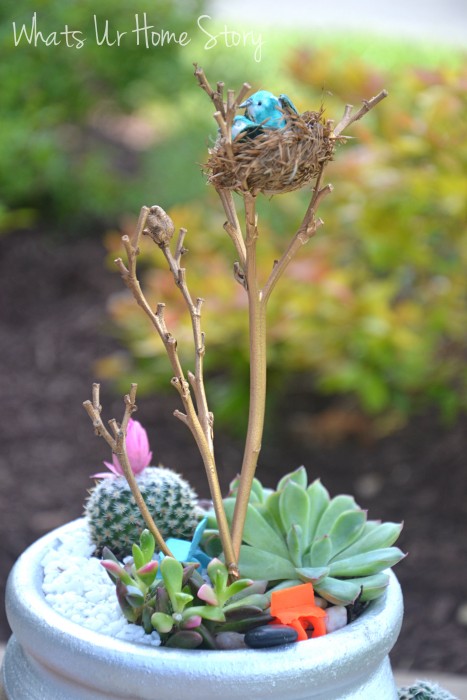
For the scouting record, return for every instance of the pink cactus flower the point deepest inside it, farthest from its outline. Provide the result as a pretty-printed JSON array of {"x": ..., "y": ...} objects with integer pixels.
[{"x": 139, "y": 454}]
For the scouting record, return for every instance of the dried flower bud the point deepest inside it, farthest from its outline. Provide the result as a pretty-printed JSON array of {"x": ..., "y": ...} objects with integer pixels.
[{"x": 159, "y": 226}]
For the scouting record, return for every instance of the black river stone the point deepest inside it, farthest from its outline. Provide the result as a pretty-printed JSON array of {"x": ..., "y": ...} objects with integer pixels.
[{"x": 270, "y": 636}]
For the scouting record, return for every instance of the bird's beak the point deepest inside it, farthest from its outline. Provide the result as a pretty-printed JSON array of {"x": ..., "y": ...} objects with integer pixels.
[{"x": 247, "y": 103}]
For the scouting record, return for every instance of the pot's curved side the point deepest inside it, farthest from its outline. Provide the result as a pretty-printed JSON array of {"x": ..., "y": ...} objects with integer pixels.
[{"x": 50, "y": 658}]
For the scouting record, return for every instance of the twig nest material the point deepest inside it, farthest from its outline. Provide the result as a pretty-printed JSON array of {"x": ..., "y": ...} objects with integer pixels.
[{"x": 275, "y": 160}]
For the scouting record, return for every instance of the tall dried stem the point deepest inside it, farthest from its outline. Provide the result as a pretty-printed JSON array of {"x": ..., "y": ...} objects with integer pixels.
[{"x": 246, "y": 273}]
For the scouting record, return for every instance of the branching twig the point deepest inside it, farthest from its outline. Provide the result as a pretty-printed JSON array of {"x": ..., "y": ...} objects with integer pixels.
[
  {"x": 349, "y": 118},
  {"x": 161, "y": 230},
  {"x": 232, "y": 225},
  {"x": 117, "y": 444},
  {"x": 196, "y": 380}
]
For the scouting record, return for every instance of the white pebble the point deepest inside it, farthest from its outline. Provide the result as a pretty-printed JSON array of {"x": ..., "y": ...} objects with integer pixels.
[
  {"x": 336, "y": 617},
  {"x": 77, "y": 586}
]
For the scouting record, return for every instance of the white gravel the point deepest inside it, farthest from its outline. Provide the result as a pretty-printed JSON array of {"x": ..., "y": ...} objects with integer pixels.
[{"x": 77, "y": 587}]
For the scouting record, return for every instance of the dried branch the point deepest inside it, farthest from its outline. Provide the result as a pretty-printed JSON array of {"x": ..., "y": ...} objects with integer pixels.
[
  {"x": 201, "y": 426},
  {"x": 215, "y": 96},
  {"x": 118, "y": 447},
  {"x": 232, "y": 225},
  {"x": 307, "y": 230},
  {"x": 179, "y": 275},
  {"x": 348, "y": 118}
]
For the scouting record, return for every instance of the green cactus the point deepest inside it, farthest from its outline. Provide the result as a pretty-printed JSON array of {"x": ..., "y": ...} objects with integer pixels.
[
  {"x": 115, "y": 520},
  {"x": 423, "y": 690},
  {"x": 298, "y": 534}
]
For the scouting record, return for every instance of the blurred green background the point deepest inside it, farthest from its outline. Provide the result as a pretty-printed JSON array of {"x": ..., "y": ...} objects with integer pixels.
[{"x": 373, "y": 309}]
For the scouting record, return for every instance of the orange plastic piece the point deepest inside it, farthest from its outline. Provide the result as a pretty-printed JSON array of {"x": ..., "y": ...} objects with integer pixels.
[{"x": 296, "y": 608}]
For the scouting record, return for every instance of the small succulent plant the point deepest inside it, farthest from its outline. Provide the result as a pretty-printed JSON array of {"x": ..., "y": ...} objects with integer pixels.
[
  {"x": 299, "y": 534},
  {"x": 181, "y": 606},
  {"x": 115, "y": 520}
]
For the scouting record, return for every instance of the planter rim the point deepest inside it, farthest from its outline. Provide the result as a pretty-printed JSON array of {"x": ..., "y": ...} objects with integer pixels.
[{"x": 32, "y": 620}]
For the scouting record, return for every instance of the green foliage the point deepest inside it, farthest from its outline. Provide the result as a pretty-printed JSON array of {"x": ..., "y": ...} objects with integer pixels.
[
  {"x": 374, "y": 307},
  {"x": 70, "y": 116},
  {"x": 114, "y": 517},
  {"x": 299, "y": 534},
  {"x": 186, "y": 611}
]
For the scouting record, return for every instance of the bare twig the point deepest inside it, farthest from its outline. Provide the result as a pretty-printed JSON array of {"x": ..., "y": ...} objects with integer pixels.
[
  {"x": 201, "y": 426},
  {"x": 117, "y": 443},
  {"x": 232, "y": 225},
  {"x": 349, "y": 118},
  {"x": 307, "y": 229},
  {"x": 216, "y": 96},
  {"x": 179, "y": 274}
]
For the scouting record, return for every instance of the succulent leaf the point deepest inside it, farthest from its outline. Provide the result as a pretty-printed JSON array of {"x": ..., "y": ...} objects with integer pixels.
[
  {"x": 256, "y": 586},
  {"x": 312, "y": 575},
  {"x": 172, "y": 574},
  {"x": 259, "y": 600},
  {"x": 138, "y": 556},
  {"x": 207, "y": 594},
  {"x": 299, "y": 476},
  {"x": 271, "y": 512},
  {"x": 181, "y": 600},
  {"x": 346, "y": 529},
  {"x": 162, "y": 622},
  {"x": 320, "y": 552},
  {"x": 207, "y": 612},
  {"x": 116, "y": 571},
  {"x": 237, "y": 587},
  {"x": 217, "y": 572},
  {"x": 270, "y": 565},
  {"x": 337, "y": 505},
  {"x": 134, "y": 597},
  {"x": 185, "y": 639},
  {"x": 295, "y": 544},
  {"x": 147, "y": 574},
  {"x": 372, "y": 586},
  {"x": 246, "y": 623},
  {"x": 147, "y": 544},
  {"x": 379, "y": 536},
  {"x": 337, "y": 591},
  {"x": 367, "y": 563},
  {"x": 319, "y": 499},
  {"x": 257, "y": 532},
  {"x": 294, "y": 508}
]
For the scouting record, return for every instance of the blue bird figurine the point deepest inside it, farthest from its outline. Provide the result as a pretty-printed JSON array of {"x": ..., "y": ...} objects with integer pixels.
[
  {"x": 265, "y": 109},
  {"x": 287, "y": 104},
  {"x": 243, "y": 125}
]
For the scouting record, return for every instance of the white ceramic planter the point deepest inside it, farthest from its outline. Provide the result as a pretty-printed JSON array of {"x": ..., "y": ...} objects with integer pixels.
[{"x": 50, "y": 658}]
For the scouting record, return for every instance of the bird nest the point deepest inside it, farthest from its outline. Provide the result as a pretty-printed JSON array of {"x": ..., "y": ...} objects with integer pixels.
[{"x": 274, "y": 160}]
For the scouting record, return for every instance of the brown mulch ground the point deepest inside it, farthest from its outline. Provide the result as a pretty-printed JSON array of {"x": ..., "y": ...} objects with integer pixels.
[{"x": 52, "y": 328}]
